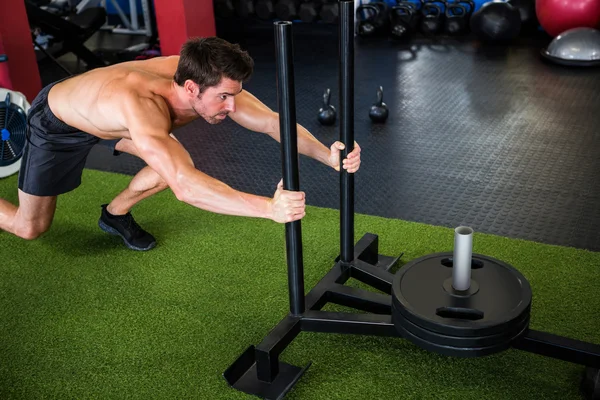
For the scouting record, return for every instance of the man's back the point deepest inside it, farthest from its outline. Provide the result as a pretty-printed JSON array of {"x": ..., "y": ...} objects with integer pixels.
[{"x": 93, "y": 102}]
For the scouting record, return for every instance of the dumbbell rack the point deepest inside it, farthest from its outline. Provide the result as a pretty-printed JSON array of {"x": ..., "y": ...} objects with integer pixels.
[{"x": 258, "y": 370}]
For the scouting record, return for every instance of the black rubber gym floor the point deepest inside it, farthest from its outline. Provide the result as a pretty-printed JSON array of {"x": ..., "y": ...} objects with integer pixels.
[{"x": 487, "y": 136}]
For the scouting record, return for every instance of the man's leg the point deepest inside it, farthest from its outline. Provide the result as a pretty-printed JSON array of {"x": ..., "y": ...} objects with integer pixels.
[
  {"x": 143, "y": 185},
  {"x": 31, "y": 218},
  {"x": 116, "y": 218}
]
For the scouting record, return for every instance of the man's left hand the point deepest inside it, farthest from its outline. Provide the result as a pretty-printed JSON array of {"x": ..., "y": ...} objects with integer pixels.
[{"x": 351, "y": 163}]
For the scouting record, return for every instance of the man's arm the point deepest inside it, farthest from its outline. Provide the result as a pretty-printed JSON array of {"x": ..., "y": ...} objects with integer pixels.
[
  {"x": 254, "y": 115},
  {"x": 149, "y": 125}
]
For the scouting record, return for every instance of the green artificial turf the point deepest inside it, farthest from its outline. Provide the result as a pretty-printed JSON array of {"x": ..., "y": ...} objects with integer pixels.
[{"x": 82, "y": 316}]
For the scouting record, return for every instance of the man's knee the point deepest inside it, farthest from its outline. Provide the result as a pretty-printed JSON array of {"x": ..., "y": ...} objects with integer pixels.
[
  {"x": 147, "y": 180},
  {"x": 31, "y": 230},
  {"x": 162, "y": 184},
  {"x": 159, "y": 184}
]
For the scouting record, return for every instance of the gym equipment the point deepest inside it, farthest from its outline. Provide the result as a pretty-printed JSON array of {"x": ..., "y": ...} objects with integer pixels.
[
  {"x": 327, "y": 112},
  {"x": 259, "y": 371},
  {"x": 432, "y": 20},
  {"x": 131, "y": 24},
  {"x": 265, "y": 9},
  {"x": 70, "y": 35},
  {"x": 309, "y": 11},
  {"x": 469, "y": 4},
  {"x": 576, "y": 47},
  {"x": 13, "y": 130},
  {"x": 402, "y": 21},
  {"x": 496, "y": 21},
  {"x": 231, "y": 8},
  {"x": 457, "y": 18},
  {"x": 372, "y": 19},
  {"x": 526, "y": 11},
  {"x": 558, "y": 16},
  {"x": 287, "y": 9},
  {"x": 245, "y": 8},
  {"x": 365, "y": 16},
  {"x": 415, "y": 4},
  {"x": 437, "y": 306},
  {"x": 57, "y": 7},
  {"x": 415, "y": 17},
  {"x": 379, "y": 111},
  {"x": 330, "y": 12}
]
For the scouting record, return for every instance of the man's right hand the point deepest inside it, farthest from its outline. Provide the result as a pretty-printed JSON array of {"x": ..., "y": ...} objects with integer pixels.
[{"x": 287, "y": 206}]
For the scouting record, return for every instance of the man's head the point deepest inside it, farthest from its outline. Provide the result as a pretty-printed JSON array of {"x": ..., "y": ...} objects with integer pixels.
[{"x": 211, "y": 71}]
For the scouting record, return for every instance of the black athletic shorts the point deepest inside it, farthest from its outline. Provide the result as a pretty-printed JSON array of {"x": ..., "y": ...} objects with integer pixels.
[{"x": 55, "y": 153}]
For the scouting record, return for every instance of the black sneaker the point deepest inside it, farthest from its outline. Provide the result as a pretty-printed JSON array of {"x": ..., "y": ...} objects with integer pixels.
[{"x": 125, "y": 226}]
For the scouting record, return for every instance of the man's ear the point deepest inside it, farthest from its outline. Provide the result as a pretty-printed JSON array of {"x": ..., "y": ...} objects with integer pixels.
[{"x": 191, "y": 88}]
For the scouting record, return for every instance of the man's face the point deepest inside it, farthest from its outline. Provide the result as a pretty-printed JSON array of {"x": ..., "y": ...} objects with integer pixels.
[{"x": 217, "y": 101}]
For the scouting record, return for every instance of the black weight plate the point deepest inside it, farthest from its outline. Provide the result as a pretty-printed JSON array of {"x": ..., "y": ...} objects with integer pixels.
[
  {"x": 400, "y": 314},
  {"x": 503, "y": 296},
  {"x": 455, "y": 351},
  {"x": 464, "y": 342}
]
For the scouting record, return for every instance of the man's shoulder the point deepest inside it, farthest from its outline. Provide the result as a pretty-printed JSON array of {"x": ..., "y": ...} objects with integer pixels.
[
  {"x": 145, "y": 102},
  {"x": 146, "y": 108},
  {"x": 136, "y": 93}
]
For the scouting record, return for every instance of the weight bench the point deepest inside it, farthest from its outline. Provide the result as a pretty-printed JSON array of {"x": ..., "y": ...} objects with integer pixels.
[{"x": 71, "y": 33}]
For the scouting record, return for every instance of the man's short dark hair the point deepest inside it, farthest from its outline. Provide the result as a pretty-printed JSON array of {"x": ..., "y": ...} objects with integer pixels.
[{"x": 206, "y": 60}]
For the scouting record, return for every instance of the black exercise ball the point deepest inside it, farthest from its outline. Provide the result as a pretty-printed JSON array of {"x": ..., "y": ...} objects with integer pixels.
[
  {"x": 496, "y": 21},
  {"x": 526, "y": 9}
]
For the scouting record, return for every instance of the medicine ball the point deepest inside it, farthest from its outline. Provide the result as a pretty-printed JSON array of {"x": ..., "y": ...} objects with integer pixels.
[{"x": 496, "y": 21}]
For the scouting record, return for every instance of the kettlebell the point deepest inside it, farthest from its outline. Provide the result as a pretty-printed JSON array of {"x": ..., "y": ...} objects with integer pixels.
[
  {"x": 382, "y": 19},
  {"x": 379, "y": 111},
  {"x": 401, "y": 21},
  {"x": 416, "y": 6},
  {"x": 469, "y": 5},
  {"x": 372, "y": 18},
  {"x": 365, "y": 15},
  {"x": 327, "y": 112},
  {"x": 431, "y": 23},
  {"x": 456, "y": 19}
]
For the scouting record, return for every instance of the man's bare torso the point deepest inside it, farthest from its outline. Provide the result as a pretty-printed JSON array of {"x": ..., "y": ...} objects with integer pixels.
[{"x": 92, "y": 102}]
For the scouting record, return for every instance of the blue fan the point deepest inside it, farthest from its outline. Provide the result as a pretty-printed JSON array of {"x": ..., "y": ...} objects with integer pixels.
[{"x": 13, "y": 131}]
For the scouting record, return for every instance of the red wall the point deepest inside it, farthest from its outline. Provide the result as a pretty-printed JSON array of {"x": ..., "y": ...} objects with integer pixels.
[{"x": 179, "y": 20}]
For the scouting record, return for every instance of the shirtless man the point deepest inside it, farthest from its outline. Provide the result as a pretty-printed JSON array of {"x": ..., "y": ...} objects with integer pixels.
[{"x": 134, "y": 106}]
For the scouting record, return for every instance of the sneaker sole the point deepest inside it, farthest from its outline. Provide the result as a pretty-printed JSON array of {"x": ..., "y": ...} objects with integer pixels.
[{"x": 115, "y": 232}]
